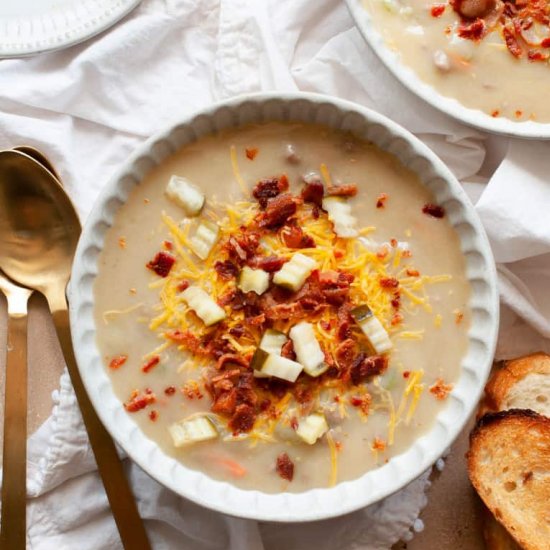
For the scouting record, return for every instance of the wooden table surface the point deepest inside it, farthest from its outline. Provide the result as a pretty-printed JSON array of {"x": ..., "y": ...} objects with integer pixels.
[{"x": 451, "y": 518}]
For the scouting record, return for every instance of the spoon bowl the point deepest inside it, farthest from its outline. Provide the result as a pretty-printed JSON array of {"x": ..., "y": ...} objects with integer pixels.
[{"x": 39, "y": 227}]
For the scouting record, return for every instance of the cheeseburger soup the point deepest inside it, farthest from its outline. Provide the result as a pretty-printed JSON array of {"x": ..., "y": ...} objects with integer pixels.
[
  {"x": 491, "y": 55},
  {"x": 282, "y": 307}
]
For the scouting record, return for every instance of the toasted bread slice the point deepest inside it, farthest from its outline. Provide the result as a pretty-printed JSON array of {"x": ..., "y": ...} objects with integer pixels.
[
  {"x": 509, "y": 465},
  {"x": 522, "y": 383}
]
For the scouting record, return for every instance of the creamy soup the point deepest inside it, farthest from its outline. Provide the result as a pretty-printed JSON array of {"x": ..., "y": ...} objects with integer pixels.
[
  {"x": 491, "y": 55},
  {"x": 316, "y": 329}
]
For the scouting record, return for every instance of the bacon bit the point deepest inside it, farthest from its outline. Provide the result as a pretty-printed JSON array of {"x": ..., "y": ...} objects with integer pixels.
[
  {"x": 138, "y": 402},
  {"x": 459, "y": 316},
  {"x": 412, "y": 272},
  {"x": 122, "y": 242},
  {"x": 393, "y": 243},
  {"x": 152, "y": 363},
  {"x": 338, "y": 254},
  {"x": 183, "y": 285},
  {"x": 381, "y": 200},
  {"x": 269, "y": 189},
  {"x": 232, "y": 359},
  {"x": 382, "y": 252},
  {"x": 170, "y": 390},
  {"x": 388, "y": 282},
  {"x": 278, "y": 210},
  {"x": 237, "y": 331},
  {"x": 345, "y": 321},
  {"x": 378, "y": 444},
  {"x": 472, "y": 31},
  {"x": 191, "y": 390},
  {"x": 396, "y": 300},
  {"x": 518, "y": 113},
  {"x": 118, "y": 361},
  {"x": 512, "y": 43},
  {"x": 251, "y": 152},
  {"x": 537, "y": 55},
  {"x": 433, "y": 210},
  {"x": 437, "y": 10},
  {"x": 363, "y": 367},
  {"x": 345, "y": 190},
  {"x": 325, "y": 325},
  {"x": 345, "y": 353},
  {"x": 294, "y": 237},
  {"x": 406, "y": 374},
  {"x": 162, "y": 263},
  {"x": 267, "y": 263},
  {"x": 396, "y": 319},
  {"x": 294, "y": 423},
  {"x": 407, "y": 254},
  {"x": 243, "y": 419},
  {"x": 313, "y": 192},
  {"x": 440, "y": 389},
  {"x": 495, "y": 113},
  {"x": 226, "y": 270},
  {"x": 153, "y": 415},
  {"x": 168, "y": 245},
  {"x": 287, "y": 351},
  {"x": 545, "y": 43},
  {"x": 363, "y": 403},
  {"x": 285, "y": 467}
]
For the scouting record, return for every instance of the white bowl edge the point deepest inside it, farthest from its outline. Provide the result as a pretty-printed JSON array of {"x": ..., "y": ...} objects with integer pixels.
[
  {"x": 347, "y": 496},
  {"x": 473, "y": 117}
]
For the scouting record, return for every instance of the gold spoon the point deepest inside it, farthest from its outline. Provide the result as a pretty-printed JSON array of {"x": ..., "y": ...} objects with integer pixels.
[
  {"x": 14, "y": 476},
  {"x": 39, "y": 230},
  {"x": 39, "y": 157}
]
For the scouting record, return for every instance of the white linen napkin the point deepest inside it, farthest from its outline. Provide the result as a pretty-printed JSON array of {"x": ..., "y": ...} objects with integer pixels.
[{"x": 89, "y": 106}]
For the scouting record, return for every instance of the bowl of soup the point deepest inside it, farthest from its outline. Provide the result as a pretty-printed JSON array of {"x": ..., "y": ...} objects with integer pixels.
[
  {"x": 284, "y": 307},
  {"x": 483, "y": 62}
]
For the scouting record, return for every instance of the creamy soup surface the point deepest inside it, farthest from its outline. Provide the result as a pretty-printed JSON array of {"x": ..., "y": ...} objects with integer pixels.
[
  {"x": 495, "y": 60},
  {"x": 405, "y": 264}
]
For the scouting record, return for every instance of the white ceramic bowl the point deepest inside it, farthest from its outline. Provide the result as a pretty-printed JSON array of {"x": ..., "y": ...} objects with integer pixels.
[
  {"x": 374, "y": 485},
  {"x": 448, "y": 105}
]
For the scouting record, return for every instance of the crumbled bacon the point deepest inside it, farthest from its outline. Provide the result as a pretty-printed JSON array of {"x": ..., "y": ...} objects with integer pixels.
[
  {"x": 388, "y": 282},
  {"x": 226, "y": 270},
  {"x": 293, "y": 236},
  {"x": 362, "y": 402},
  {"x": 237, "y": 331},
  {"x": 345, "y": 320},
  {"x": 545, "y": 43},
  {"x": 139, "y": 401},
  {"x": 242, "y": 246},
  {"x": 278, "y": 210},
  {"x": 378, "y": 444},
  {"x": 151, "y": 363},
  {"x": 267, "y": 263},
  {"x": 537, "y": 55},
  {"x": 153, "y": 415},
  {"x": 162, "y": 263},
  {"x": 344, "y": 190},
  {"x": 472, "y": 31},
  {"x": 437, "y": 10},
  {"x": 118, "y": 361},
  {"x": 170, "y": 390},
  {"x": 512, "y": 43},
  {"x": 232, "y": 359},
  {"x": 433, "y": 210},
  {"x": 243, "y": 419},
  {"x": 440, "y": 390},
  {"x": 251, "y": 152},
  {"x": 381, "y": 200},
  {"x": 313, "y": 192},
  {"x": 287, "y": 350},
  {"x": 269, "y": 188},
  {"x": 412, "y": 272},
  {"x": 285, "y": 467},
  {"x": 183, "y": 285},
  {"x": 346, "y": 353},
  {"x": 364, "y": 367}
]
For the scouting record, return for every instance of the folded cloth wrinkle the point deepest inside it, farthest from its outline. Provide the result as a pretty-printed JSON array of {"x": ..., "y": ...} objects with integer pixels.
[{"x": 89, "y": 106}]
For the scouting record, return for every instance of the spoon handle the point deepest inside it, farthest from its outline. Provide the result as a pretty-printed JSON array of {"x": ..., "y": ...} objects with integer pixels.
[
  {"x": 14, "y": 475},
  {"x": 123, "y": 505}
]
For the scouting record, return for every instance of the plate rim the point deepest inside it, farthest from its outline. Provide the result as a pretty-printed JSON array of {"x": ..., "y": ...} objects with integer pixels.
[
  {"x": 445, "y": 104},
  {"x": 314, "y": 504},
  {"x": 65, "y": 37}
]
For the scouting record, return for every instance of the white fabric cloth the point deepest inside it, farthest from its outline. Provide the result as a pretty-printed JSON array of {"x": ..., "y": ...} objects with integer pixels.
[{"x": 89, "y": 106}]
